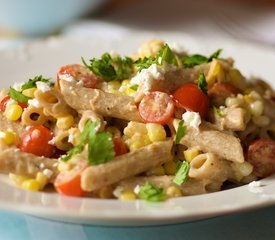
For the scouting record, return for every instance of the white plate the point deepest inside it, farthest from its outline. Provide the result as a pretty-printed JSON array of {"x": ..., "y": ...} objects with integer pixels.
[{"x": 47, "y": 56}]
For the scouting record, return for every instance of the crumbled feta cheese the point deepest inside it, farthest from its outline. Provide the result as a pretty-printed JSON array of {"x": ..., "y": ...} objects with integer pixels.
[
  {"x": 34, "y": 102},
  {"x": 10, "y": 102},
  {"x": 67, "y": 77},
  {"x": 118, "y": 191},
  {"x": 177, "y": 48},
  {"x": 48, "y": 172},
  {"x": 137, "y": 189},
  {"x": 255, "y": 187},
  {"x": 52, "y": 141},
  {"x": 42, "y": 86},
  {"x": 42, "y": 165},
  {"x": 17, "y": 86},
  {"x": 192, "y": 119}
]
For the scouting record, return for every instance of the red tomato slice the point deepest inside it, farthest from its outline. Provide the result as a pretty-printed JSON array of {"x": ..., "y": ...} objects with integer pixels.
[
  {"x": 220, "y": 91},
  {"x": 119, "y": 146},
  {"x": 3, "y": 104},
  {"x": 261, "y": 154},
  {"x": 36, "y": 141},
  {"x": 191, "y": 98},
  {"x": 156, "y": 107},
  {"x": 79, "y": 73},
  {"x": 69, "y": 183}
]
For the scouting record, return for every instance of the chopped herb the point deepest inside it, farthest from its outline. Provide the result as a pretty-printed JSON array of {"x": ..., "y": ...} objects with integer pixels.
[
  {"x": 202, "y": 84},
  {"x": 145, "y": 62},
  {"x": 180, "y": 132},
  {"x": 165, "y": 55},
  {"x": 198, "y": 59},
  {"x": 32, "y": 82},
  {"x": 100, "y": 148},
  {"x": 17, "y": 96},
  {"x": 194, "y": 60},
  {"x": 134, "y": 87},
  {"x": 109, "y": 68},
  {"x": 218, "y": 112},
  {"x": 151, "y": 193},
  {"x": 100, "y": 145},
  {"x": 182, "y": 172}
]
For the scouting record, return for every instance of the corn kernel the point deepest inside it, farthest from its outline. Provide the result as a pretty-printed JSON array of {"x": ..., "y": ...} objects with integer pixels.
[
  {"x": 150, "y": 48},
  {"x": 18, "y": 179},
  {"x": 215, "y": 73},
  {"x": 64, "y": 166},
  {"x": 65, "y": 122},
  {"x": 256, "y": 108},
  {"x": 125, "y": 82},
  {"x": 8, "y": 137},
  {"x": 237, "y": 79},
  {"x": 138, "y": 141},
  {"x": 170, "y": 168},
  {"x": 156, "y": 132},
  {"x": 129, "y": 91},
  {"x": 31, "y": 185},
  {"x": 29, "y": 92},
  {"x": 13, "y": 112},
  {"x": 156, "y": 171},
  {"x": 127, "y": 196},
  {"x": 190, "y": 153},
  {"x": 173, "y": 191},
  {"x": 42, "y": 180},
  {"x": 114, "y": 84}
]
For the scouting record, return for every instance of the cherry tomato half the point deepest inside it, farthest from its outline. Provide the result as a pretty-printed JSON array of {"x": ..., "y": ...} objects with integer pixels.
[
  {"x": 79, "y": 73},
  {"x": 36, "y": 141},
  {"x": 190, "y": 97},
  {"x": 69, "y": 183},
  {"x": 3, "y": 103},
  {"x": 156, "y": 107},
  {"x": 119, "y": 146},
  {"x": 261, "y": 154}
]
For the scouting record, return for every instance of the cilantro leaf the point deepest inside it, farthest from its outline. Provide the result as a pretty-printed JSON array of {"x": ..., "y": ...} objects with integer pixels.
[
  {"x": 17, "y": 96},
  {"x": 100, "y": 145},
  {"x": 145, "y": 62},
  {"x": 134, "y": 87},
  {"x": 197, "y": 59},
  {"x": 202, "y": 84},
  {"x": 194, "y": 60},
  {"x": 109, "y": 68},
  {"x": 100, "y": 148},
  {"x": 217, "y": 112},
  {"x": 151, "y": 193},
  {"x": 32, "y": 82},
  {"x": 166, "y": 55},
  {"x": 180, "y": 132},
  {"x": 182, "y": 172},
  {"x": 214, "y": 55}
]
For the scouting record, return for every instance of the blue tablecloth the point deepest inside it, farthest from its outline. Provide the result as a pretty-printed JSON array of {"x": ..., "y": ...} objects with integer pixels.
[{"x": 253, "y": 225}]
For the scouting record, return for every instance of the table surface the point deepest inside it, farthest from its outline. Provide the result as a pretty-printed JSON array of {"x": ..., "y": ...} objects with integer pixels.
[{"x": 253, "y": 225}]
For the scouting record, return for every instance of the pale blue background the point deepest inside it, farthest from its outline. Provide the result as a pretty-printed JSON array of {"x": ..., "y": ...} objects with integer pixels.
[{"x": 253, "y": 225}]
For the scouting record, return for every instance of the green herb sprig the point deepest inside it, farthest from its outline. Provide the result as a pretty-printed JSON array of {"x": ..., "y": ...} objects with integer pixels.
[
  {"x": 151, "y": 193},
  {"x": 181, "y": 173}
]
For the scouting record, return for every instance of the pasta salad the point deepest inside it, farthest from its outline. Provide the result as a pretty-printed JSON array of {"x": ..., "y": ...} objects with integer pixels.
[{"x": 154, "y": 125}]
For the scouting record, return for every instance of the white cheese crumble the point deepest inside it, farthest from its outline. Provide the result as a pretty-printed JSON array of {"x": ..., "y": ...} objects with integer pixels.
[
  {"x": 67, "y": 77},
  {"x": 48, "y": 172},
  {"x": 148, "y": 75},
  {"x": 42, "y": 86},
  {"x": 137, "y": 189},
  {"x": 255, "y": 187},
  {"x": 177, "y": 48},
  {"x": 118, "y": 191},
  {"x": 42, "y": 165},
  {"x": 17, "y": 86},
  {"x": 192, "y": 119},
  {"x": 34, "y": 102}
]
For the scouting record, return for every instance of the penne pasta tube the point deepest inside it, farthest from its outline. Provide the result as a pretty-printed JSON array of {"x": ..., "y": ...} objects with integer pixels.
[
  {"x": 107, "y": 104},
  {"x": 209, "y": 139},
  {"x": 12, "y": 160},
  {"x": 191, "y": 187},
  {"x": 16, "y": 127},
  {"x": 127, "y": 165}
]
